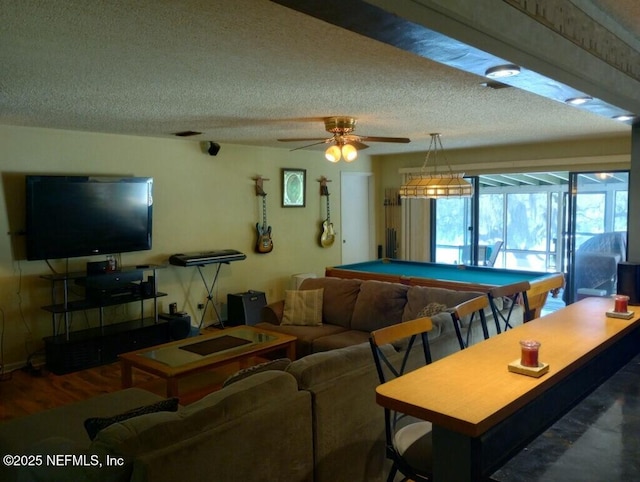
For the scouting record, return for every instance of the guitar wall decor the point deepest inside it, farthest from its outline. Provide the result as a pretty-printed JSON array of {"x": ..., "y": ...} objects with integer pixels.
[
  {"x": 264, "y": 243},
  {"x": 328, "y": 235}
]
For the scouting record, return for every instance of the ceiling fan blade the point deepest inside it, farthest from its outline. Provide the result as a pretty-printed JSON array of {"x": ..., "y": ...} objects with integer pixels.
[
  {"x": 324, "y": 141},
  {"x": 358, "y": 145},
  {"x": 402, "y": 140},
  {"x": 298, "y": 139}
]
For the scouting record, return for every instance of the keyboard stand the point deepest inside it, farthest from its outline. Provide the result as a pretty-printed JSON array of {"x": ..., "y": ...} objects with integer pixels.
[
  {"x": 210, "y": 294},
  {"x": 199, "y": 260}
]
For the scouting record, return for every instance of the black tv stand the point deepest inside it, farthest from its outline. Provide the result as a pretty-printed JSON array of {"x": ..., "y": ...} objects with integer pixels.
[{"x": 68, "y": 351}]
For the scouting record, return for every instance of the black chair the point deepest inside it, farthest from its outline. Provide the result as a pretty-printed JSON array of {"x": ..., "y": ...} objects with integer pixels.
[
  {"x": 471, "y": 308},
  {"x": 516, "y": 293},
  {"x": 408, "y": 441}
]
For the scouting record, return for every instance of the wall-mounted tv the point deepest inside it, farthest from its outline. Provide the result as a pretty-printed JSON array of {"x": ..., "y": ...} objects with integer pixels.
[{"x": 72, "y": 216}]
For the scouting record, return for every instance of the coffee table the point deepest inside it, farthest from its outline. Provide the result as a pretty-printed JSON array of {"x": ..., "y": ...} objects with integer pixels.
[{"x": 175, "y": 360}]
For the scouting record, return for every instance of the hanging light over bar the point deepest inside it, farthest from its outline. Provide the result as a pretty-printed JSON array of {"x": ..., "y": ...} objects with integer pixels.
[{"x": 433, "y": 184}]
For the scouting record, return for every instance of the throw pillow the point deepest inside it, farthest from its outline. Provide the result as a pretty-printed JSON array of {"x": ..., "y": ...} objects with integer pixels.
[
  {"x": 94, "y": 425},
  {"x": 431, "y": 309},
  {"x": 279, "y": 364},
  {"x": 303, "y": 307}
]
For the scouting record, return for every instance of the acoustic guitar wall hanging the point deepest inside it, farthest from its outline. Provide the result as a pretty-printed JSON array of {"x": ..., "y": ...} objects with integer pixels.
[
  {"x": 328, "y": 235},
  {"x": 264, "y": 243}
]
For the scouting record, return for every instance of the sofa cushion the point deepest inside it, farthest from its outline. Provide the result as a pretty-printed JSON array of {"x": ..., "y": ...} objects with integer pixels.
[
  {"x": 420, "y": 296},
  {"x": 326, "y": 367},
  {"x": 348, "y": 439},
  {"x": 340, "y": 340},
  {"x": 379, "y": 304},
  {"x": 303, "y": 307},
  {"x": 156, "y": 430},
  {"x": 94, "y": 424},
  {"x": 261, "y": 436},
  {"x": 339, "y": 298},
  {"x": 304, "y": 334}
]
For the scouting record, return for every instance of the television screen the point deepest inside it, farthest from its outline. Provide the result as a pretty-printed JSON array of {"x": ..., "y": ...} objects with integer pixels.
[{"x": 72, "y": 216}]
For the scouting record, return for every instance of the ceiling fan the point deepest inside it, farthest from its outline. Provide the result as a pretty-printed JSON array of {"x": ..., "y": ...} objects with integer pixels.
[{"x": 344, "y": 143}]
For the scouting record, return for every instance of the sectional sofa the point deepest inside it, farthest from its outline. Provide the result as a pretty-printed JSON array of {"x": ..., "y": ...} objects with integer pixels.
[
  {"x": 313, "y": 420},
  {"x": 352, "y": 308}
]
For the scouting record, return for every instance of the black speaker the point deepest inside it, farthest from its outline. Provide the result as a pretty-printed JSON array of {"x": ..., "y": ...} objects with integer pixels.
[
  {"x": 148, "y": 288},
  {"x": 629, "y": 281},
  {"x": 213, "y": 148},
  {"x": 244, "y": 308}
]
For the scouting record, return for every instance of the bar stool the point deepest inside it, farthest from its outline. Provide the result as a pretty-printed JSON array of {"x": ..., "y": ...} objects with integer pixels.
[
  {"x": 408, "y": 443},
  {"x": 470, "y": 309},
  {"x": 516, "y": 293}
]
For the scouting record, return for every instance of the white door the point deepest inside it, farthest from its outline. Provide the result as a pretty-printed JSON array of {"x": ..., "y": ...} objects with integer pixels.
[{"x": 357, "y": 224}]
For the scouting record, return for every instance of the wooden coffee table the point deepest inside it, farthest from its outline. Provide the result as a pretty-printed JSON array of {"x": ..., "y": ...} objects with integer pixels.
[{"x": 175, "y": 360}]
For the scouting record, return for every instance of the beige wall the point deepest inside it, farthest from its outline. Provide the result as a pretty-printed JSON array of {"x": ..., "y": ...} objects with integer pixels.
[
  {"x": 203, "y": 202},
  {"x": 200, "y": 203}
]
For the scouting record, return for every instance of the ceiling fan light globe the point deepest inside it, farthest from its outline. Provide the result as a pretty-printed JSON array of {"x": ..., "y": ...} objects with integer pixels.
[
  {"x": 349, "y": 153},
  {"x": 332, "y": 154}
]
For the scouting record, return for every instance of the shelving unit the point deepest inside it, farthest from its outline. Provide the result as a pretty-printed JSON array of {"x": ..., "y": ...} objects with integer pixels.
[{"x": 74, "y": 350}]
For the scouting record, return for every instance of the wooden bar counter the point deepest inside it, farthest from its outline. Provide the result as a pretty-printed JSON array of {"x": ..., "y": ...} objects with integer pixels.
[{"x": 482, "y": 414}]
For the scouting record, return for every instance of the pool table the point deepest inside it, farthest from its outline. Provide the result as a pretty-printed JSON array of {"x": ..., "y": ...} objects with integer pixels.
[{"x": 450, "y": 276}]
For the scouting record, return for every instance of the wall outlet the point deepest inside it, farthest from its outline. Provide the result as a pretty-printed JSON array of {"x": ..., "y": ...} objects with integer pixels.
[{"x": 201, "y": 306}]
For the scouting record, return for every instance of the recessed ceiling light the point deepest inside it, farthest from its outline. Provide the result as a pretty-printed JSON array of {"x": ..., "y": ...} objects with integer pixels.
[
  {"x": 583, "y": 99},
  {"x": 623, "y": 117},
  {"x": 502, "y": 71}
]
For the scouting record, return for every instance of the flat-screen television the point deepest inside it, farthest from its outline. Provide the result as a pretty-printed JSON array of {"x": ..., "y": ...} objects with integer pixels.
[{"x": 72, "y": 216}]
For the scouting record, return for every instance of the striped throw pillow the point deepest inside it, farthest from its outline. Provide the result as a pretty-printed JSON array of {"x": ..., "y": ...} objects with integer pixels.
[{"x": 303, "y": 307}]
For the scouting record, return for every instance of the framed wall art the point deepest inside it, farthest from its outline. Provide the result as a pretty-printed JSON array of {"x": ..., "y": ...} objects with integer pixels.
[{"x": 294, "y": 185}]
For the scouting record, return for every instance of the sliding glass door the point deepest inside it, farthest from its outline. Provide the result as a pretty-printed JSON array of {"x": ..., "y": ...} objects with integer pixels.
[
  {"x": 575, "y": 223},
  {"x": 596, "y": 232},
  {"x": 504, "y": 226}
]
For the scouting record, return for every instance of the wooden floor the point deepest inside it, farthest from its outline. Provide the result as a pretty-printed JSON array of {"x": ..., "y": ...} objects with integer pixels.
[{"x": 23, "y": 393}]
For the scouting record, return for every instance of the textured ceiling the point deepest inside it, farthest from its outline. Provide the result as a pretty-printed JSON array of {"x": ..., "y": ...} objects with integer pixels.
[{"x": 252, "y": 71}]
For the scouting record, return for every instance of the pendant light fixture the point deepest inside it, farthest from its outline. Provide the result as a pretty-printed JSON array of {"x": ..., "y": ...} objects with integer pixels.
[{"x": 433, "y": 184}]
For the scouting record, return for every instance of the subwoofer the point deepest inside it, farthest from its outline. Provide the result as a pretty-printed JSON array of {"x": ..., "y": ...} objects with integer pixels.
[
  {"x": 629, "y": 281},
  {"x": 244, "y": 308}
]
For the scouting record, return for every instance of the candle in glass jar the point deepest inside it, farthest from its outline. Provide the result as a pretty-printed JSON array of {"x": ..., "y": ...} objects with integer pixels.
[
  {"x": 620, "y": 303},
  {"x": 529, "y": 353}
]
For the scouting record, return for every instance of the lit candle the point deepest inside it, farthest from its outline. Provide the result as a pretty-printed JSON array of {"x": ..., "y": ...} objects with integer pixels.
[
  {"x": 620, "y": 305},
  {"x": 529, "y": 353}
]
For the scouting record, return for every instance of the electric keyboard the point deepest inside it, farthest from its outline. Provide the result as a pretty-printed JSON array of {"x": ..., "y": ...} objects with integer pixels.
[{"x": 207, "y": 257}]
